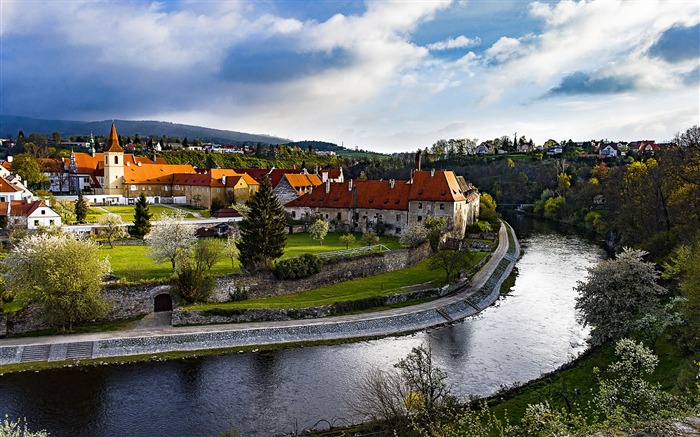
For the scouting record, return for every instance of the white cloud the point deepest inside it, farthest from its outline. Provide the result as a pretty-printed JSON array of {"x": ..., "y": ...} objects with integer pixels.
[{"x": 455, "y": 43}]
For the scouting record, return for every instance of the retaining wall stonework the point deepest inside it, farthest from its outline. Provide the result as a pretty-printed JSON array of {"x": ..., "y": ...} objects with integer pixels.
[
  {"x": 265, "y": 285},
  {"x": 3, "y": 326}
]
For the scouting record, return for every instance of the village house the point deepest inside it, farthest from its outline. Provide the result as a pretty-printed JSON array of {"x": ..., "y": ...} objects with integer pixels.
[
  {"x": 29, "y": 214},
  {"x": 203, "y": 187},
  {"x": 390, "y": 204},
  {"x": 292, "y": 186}
]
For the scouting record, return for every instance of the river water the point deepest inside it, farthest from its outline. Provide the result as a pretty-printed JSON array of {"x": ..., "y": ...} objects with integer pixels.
[{"x": 531, "y": 331}]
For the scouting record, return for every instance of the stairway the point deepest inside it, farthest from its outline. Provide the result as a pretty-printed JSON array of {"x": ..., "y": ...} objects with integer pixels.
[
  {"x": 79, "y": 350},
  {"x": 39, "y": 352}
]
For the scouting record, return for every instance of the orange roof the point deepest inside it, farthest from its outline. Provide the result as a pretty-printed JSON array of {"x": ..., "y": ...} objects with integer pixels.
[
  {"x": 25, "y": 208},
  {"x": 7, "y": 164},
  {"x": 154, "y": 173},
  {"x": 113, "y": 141},
  {"x": 370, "y": 194},
  {"x": 275, "y": 174},
  {"x": 436, "y": 186},
  {"x": 302, "y": 180},
  {"x": 7, "y": 187}
]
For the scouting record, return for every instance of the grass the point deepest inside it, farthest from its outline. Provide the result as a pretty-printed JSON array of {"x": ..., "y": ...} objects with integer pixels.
[
  {"x": 379, "y": 285},
  {"x": 127, "y": 212},
  {"x": 512, "y": 404}
]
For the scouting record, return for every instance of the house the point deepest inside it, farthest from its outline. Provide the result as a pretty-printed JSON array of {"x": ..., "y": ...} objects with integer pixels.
[
  {"x": 206, "y": 185},
  {"x": 292, "y": 186},
  {"x": 331, "y": 174},
  {"x": 11, "y": 188},
  {"x": 375, "y": 204},
  {"x": 646, "y": 146},
  {"x": 483, "y": 149},
  {"x": 29, "y": 214},
  {"x": 609, "y": 150}
]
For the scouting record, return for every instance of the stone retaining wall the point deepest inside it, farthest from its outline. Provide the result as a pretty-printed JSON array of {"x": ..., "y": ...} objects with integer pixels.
[{"x": 265, "y": 285}]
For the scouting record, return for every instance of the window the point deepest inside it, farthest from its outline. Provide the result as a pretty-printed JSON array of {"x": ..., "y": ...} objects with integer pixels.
[
  {"x": 116, "y": 160},
  {"x": 36, "y": 222},
  {"x": 420, "y": 205},
  {"x": 442, "y": 206},
  {"x": 43, "y": 212},
  {"x": 398, "y": 217},
  {"x": 420, "y": 218},
  {"x": 294, "y": 214},
  {"x": 51, "y": 222}
]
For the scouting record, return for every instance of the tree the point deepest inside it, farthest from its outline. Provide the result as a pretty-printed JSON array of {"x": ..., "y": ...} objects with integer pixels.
[
  {"x": 617, "y": 294},
  {"x": 347, "y": 239},
  {"x": 216, "y": 205},
  {"x": 685, "y": 268},
  {"x": 206, "y": 253},
  {"x": 171, "y": 238},
  {"x": 112, "y": 227},
  {"x": 81, "y": 208},
  {"x": 63, "y": 274},
  {"x": 415, "y": 235},
  {"x": 452, "y": 258},
  {"x": 142, "y": 218},
  {"x": 435, "y": 227},
  {"x": 319, "y": 230},
  {"x": 263, "y": 234},
  {"x": 369, "y": 239},
  {"x": 28, "y": 169},
  {"x": 230, "y": 250}
]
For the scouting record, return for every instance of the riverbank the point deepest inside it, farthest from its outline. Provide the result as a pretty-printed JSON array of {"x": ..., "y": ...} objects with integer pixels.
[{"x": 473, "y": 297}]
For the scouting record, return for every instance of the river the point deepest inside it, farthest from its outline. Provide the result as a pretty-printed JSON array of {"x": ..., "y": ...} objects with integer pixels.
[{"x": 531, "y": 331}]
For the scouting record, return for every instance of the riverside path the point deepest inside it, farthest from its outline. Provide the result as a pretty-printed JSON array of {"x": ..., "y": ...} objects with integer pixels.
[{"x": 470, "y": 298}]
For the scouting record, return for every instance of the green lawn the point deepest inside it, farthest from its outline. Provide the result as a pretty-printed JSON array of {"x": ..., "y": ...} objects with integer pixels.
[
  {"x": 127, "y": 212},
  {"x": 133, "y": 263}
]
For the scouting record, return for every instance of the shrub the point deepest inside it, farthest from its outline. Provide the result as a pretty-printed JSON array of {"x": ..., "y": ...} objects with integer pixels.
[
  {"x": 193, "y": 285},
  {"x": 299, "y": 267}
]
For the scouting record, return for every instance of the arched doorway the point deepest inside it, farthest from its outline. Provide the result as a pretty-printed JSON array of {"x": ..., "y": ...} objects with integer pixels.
[{"x": 162, "y": 302}]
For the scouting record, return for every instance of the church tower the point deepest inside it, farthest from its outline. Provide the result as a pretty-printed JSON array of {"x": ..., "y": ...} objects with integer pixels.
[{"x": 114, "y": 165}]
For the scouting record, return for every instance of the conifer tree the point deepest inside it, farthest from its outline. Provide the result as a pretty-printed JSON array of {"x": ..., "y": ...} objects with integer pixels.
[
  {"x": 142, "y": 218},
  {"x": 263, "y": 234},
  {"x": 81, "y": 208}
]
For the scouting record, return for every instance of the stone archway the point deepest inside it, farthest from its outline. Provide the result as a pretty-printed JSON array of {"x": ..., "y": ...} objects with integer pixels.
[{"x": 162, "y": 302}]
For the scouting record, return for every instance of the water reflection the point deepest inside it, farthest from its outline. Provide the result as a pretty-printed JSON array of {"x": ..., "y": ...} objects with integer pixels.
[{"x": 531, "y": 331}]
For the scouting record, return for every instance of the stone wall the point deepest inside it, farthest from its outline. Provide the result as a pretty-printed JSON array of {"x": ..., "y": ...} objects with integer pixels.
[
  {"x": 265, "y": 285},
  {"x": 132, "y": 301},
  {"x": 3, "y": 325}
]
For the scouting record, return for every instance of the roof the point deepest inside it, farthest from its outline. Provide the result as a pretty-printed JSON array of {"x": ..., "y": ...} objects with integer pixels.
[
  {"x": 436, "y": 186},
  {"x": 302, "y": 180},
  {"x": 113, "y": 141},
  {"x": 212, "y": 178},
  {"x": 226, "y": 213},
  {"x": 24, "y": 207},
  {"x": 370, "y": 194},
  {"x": 154, "y": 173},
  {"x": 7, "y": 187},
  {"x": 274, "y": 174}
]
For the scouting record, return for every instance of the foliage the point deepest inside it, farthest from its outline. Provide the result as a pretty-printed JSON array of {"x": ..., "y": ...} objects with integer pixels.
[
  {"x": 171, "y": 238},
  {"x": 263, "y": 234},
  {"x": 452, "y": 261},
  {"x": 435, "y": 227},
  {"x": 81, "y": 208},
  {"x": 9, "y": 428},
  {"x": 347, "y": 240},
  {"x": 216, "y": 205},
  {"x": 414, "y": 235},
  {"x": 28, "y": 169},
  {"x": 62, "y": 274},
  {"x": 142, "y": 218},
  {"x": 230, "y": 250},
  {"x": 684, "y": 267},
  {"x": 65, "y": 209},
  {"x": 299, "y": 267},
  {"x": 206, "y": 253},
  {"x": 318, "y": 230},
  {"x": 369, "y": 239},
  {"x": 617, "y": 294},
  {"x": 487, "y": 210},
  {"x": 193, "y": 284},
  {"x": 112, "y": 227}
]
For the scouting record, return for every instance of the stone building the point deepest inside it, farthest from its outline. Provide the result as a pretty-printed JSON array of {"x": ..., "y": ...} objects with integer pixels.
[{"x": 360, "y": 205}]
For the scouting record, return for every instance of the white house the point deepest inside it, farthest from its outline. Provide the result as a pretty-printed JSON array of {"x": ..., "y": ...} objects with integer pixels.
[{"x": 29, "y": 214}]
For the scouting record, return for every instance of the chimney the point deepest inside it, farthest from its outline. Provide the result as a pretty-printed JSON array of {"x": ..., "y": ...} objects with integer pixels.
[
  {"x": 324, "y": 176},
  {"x": 418, "y": 160},
  {"x": 223, "y": 180},
  {"x": 432, "y": 172},
  {"x": 328, "y": 187},
  {"x": 10, "y": 158},
  {"x": 391, "y": 183},
  {"x": 350, "y": 185}
]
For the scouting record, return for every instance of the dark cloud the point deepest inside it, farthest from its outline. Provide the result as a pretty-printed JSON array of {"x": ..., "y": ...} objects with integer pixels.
[
  {"x": 582, "y": 83},
  {"x": 278, "y": 63},
  {"x": 678, "y": 44}
]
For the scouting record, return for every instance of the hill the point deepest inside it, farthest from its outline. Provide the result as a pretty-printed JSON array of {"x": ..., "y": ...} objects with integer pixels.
[{"x": 10, "y": 125}]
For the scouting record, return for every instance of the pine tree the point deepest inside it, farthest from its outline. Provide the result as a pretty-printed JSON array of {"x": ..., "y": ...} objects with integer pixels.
[
  {"x": 81, "y": 208},
  {"x": 263, "y": 234},
  {"x": 142, "y": 218}
]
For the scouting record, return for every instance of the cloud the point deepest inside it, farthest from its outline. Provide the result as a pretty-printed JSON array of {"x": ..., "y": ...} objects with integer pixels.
[
  {"x": 583, "y": 83},
  {"x": 678, "y": 44},
  {"x": 460, "y": 42}
]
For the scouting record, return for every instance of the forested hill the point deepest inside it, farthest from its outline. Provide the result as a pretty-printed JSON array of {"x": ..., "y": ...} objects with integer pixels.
[{"x": 10, "y": 125}]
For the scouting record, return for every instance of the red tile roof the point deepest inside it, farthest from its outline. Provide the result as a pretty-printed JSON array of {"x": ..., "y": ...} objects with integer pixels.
[
  {"x": 7, "y": 187},
  {"x": 24, "y": 207},
  {"x": 436, "y": 186},
  {"x": 275, "y": 175}
]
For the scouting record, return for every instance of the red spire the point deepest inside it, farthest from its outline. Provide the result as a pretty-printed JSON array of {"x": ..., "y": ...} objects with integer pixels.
[{"x": 113, "y": 141}]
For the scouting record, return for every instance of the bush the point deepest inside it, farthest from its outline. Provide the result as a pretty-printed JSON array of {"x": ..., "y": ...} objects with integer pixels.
[
  {"x": 239, "y": 294},
  {"x": 194, "y": 285},
  {"x": 299, "y": 267}
]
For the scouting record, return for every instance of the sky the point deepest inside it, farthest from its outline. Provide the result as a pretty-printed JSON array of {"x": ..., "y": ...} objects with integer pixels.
[{"x": 388, "y": 76}]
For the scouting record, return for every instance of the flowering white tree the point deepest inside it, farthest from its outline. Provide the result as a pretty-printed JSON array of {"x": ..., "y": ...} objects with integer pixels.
[
  {"x": 112, "y": 227},
  {"x": 414, "y": 235},
  {"x": 62, "y": 274},
  {"x": 171, "y": 237},
  {"x": 319, "y": 230}
]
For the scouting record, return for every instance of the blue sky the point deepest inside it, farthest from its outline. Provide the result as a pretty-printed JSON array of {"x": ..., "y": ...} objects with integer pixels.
[{"x": 385, "y": 76}]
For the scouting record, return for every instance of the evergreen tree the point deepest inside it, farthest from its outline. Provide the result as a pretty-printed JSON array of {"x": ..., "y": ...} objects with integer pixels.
[
  {"x": 263, "y": 234},
  {"x": 142, "y": 218},
  {"x": 81, "y": 208}
]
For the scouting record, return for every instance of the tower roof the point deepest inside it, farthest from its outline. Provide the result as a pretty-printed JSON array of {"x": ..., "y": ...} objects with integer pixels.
[{"x": 113, "y": 141}]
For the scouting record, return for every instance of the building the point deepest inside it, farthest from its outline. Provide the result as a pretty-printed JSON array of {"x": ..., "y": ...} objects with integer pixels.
[
  {"x": 29, "y": 214},
  {"x": 363, "y": 205},
  {"x": 291, "y": 186},
  {"x": 206, "y": 185}
]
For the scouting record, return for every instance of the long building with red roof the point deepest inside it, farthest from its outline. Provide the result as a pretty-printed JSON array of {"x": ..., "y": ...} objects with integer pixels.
[{"x": 360, "y": 205}]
